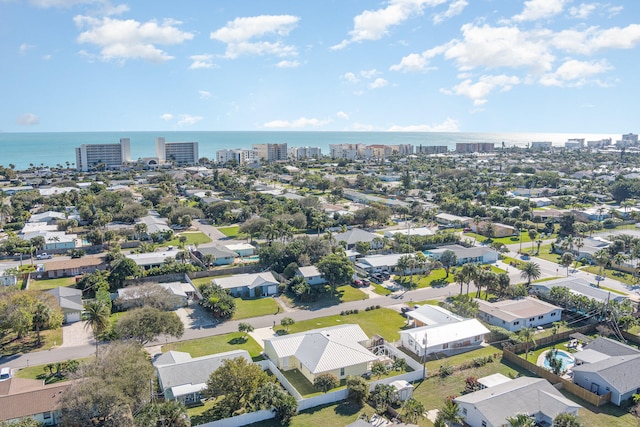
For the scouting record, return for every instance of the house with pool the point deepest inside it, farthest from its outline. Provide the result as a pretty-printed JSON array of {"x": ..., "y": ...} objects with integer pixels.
[
  {"x": 608, "y": 366},
  {"x": 515, "y": 314}
]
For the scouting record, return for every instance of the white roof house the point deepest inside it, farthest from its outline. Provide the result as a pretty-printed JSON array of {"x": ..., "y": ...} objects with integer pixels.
[
  {"x": 152, "y": 259},
  {"x": 481, "y": 254},
  {"x": 376, "y": 263},
  {"x": 445, "y": 337},
  {"x": 428, "y": 314},
  {"x": 183, "y": 378},
  {"x": 514, "y": 315},
  {"x": 418, "y": 231},
  {"x": 578, "y": 286},
  {"x": 336, "y": 350},
  {"x": 311, "y": 275},
  {"x": 491, "y": 406},
  {"x": 256, "y": 284},
  {"x": 242, "y": 249},
  {"x": 355, "y": 235}
]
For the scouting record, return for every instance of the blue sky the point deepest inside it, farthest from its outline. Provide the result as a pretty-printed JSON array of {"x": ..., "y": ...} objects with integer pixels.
[{"x": 332, "y": 65}]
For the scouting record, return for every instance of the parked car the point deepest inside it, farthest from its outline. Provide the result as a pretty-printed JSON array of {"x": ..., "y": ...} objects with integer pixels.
[
  {"x": 357, "y": 283},
  {"x": 44, "y": 255},
  {"x": 5, "y": 374}
]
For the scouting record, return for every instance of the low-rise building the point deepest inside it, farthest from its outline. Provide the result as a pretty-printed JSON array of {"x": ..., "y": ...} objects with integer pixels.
[
  {"x": 70, "y": 301},
  {"x": 466, "y": 334},
  {"x": 311, "y": 275},
  {"x": 514, "y": 315},
  {"x": 474, "y": 254},
  {"x": 249, "y": 285},
  {"x": 578, "y": 286},
  {"x": 24, "y": 398}
]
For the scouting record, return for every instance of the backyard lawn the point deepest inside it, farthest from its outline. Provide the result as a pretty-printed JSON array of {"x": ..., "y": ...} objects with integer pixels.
[
  {"x": 383, "y": 321},
  {"x": 11, "y": 345},
  {"x": 216, "y": 344},
  {"x": 46, "y": 284}
]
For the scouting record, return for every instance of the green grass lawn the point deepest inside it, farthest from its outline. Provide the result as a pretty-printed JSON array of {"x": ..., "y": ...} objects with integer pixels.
[
  {"x": 246, "y": 308},
  {"x": 216, "y": 344},
  {"x": 613, "y": 274},
  {"x": 435, "y": 277},
  {"x": 380, "y": 290},
  {"x": 202, "y": 281},
  {"x": 231, "y": 231},
  {"x": 336, "y": 414},
  {"x": 349, "y": 293},
  {"x": 301, "y": 383},
  {"x": 49, "y": 338},
  {"x": 40, "y": 372},
  {"x": 46, "y": 284},
  {"x": 383, "y": 321},
  {"x": 193, "y": 238}
]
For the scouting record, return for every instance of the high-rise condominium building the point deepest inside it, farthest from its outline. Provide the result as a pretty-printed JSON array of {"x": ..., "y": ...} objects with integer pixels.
[
  {"x": 238, "y": 155},
  {"x": 180, "y": 153},
  {"x": 103, "y": 156},
  {"x": 271, "y": 152}
]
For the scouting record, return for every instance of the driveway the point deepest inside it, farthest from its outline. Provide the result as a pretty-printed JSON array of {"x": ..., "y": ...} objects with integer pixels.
[
  {"x": 76, "y": 335},
  {"x": 195, "y": 317}
]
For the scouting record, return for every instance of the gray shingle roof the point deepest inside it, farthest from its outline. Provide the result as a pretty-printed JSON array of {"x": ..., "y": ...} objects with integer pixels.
[{"x": 617, "y": 371}]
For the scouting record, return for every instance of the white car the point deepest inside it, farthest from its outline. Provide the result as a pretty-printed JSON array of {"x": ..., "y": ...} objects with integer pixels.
[{"x": 5, "y": 374}]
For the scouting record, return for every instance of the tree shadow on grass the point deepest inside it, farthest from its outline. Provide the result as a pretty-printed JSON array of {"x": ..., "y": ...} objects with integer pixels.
[
  {"x": 238, "y": 340},
  {"x": 347, "y": 408}
]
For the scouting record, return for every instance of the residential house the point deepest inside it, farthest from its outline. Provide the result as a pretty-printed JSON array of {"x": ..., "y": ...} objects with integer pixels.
[
  {"x": 242, "y": 249},
  {"x": 311, "y": 275},
  {"x": 70, "y": 300},
  {"x": 418, "y": 231},
  {"x": 490, "y": 407},
  {"x": 337, "y": 350},
  {"x": 155, "y": 223},
  {"x": 499, "y": 230},
  {"x": 152, "y": 259},
  {"x": 355, "y": 235},
  {"x": 514, "y": 315},
  {"x": 24, "y": 398},
  {"x": 222, "y": 255},
  {"x": 249, "y": 285},
  {"x": 578, "y": 286},
  {"x": 474, "y": 254},
  {"x": 182, "y": 291},
  {"x": 378, "y": 263},
  {"x": 445, "y": 218},
  {"x": 428, "y": 314},
  {"x": 73, "y": 267},
  {"x": 184, "y": 378},
  {"x": 49, "y": 217},
  {"x": 608, "y": 366},
  {"x": 464, "y": 334},
  {"x": 590, "y": 245}
]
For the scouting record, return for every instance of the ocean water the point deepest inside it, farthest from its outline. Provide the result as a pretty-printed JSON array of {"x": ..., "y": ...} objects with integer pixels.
[{"x": 51, "y": 149}]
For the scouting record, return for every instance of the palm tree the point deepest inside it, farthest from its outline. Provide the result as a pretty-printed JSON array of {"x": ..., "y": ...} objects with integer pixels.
[
  {"x": 526, "y": 335},
  {"x": 521, "y": 420},
  {"x": 601, "y": 257},
  {"x": 450, "y": 412},
  {"x": 470, "y": 271},
  {"x": 459, "y": 277},
  {"x": 532, "y": 236},
  {"x": 530, "y": 271},
  {"x": 97, "y": 315}
]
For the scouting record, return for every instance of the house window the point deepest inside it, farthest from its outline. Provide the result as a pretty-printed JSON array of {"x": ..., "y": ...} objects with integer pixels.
[
  {"x": 446, "y": 345},
  {"x": 553, "y": 314},
  {"x": 484, "y": 424},
  {"x": 464, "y": 411},
  {"x": 517, "y": 322},
  {"x": 540, "y": 317},
  {"x": 531, "y": 319},
  {"x": 46, "y": 415},
  {"x": 410, "y": 341},
  {"x": 477, "y": 338}
]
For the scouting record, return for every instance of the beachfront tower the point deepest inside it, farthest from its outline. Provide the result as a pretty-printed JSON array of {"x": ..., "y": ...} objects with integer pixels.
[
  {"x": 180, "y": 153},
  {"x": 103, "y": 156}
]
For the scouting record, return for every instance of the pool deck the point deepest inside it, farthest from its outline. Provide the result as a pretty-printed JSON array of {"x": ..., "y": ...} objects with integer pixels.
[{"x": 541, "y": 359}]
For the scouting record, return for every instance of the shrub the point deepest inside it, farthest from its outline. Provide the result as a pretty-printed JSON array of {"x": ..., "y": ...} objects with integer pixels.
[
  {"x": 445, "y": 370},
  {"x": 325, "y": 382}
]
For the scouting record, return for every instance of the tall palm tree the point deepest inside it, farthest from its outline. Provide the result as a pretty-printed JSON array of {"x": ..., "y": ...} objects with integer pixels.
[
  {"x": 530, "y": 271},
  {"x": 526, "y": 335},
  {"x": 470, "y": 271},
  {"x": 532, "y": 236},
  {"x": 96, "y": 314},
  {"x": 601, "y": 257}
]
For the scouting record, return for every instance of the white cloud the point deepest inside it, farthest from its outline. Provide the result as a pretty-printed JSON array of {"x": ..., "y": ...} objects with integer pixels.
[
  {"x": 130, "y": 39},
  {"x": 204, "y": 94},
  {"x": 350, "y": 77},
  {"x": 480, "y": 90},
  {"x": 24, "y": 47},
  {"x": 583, "y": 10},
  {"x": 167, "y": 116},
  {"x": 342, "y": 115},
  {"x": 239, "y": 33},
  {"x": 28, "y": 119},
  {"x": 288, "y": 64},
  {"x": 378, "y": 83},
  {"x": 201, "y": 61},
  {"x": 455, "y": 8},
  {"x": 449, "y": 125},
  {"x": 369, "y": 74},
  {"x": 47, "y": 57},
  {"x": 302, "y": 122},
  {"x": 594, "y": 39},
  {"x": 540, "y": 9},
  {"x": 375, "y": 24},
  {"x": 188, "y": 120},
  {"x": 575, "y": 73},
  {"x": 411, "y": 63}
]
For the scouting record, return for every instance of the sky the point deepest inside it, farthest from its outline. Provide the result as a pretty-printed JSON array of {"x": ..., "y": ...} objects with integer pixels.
[{"x": 320, "y": 65}]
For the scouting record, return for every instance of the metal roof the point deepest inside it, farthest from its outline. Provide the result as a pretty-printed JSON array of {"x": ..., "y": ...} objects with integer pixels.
[
  {"x": 251, "y": 281},
  {"x": 437, "y": 335}
]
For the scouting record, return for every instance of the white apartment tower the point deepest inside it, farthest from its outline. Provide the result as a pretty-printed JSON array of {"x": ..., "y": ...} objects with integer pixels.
[
  {"x": 104, "y": 156},
  {"x": 239, "y": 155},
  {"x": 181, "y": 153},
  {"x": 301, "y": 153}
]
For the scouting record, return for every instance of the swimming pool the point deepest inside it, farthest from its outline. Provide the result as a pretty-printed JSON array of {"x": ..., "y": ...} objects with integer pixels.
[{"x": 567, "y": 360}]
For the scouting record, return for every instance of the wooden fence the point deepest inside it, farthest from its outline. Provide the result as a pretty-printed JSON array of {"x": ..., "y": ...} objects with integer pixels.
[{"x": 572, "y": 388}]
